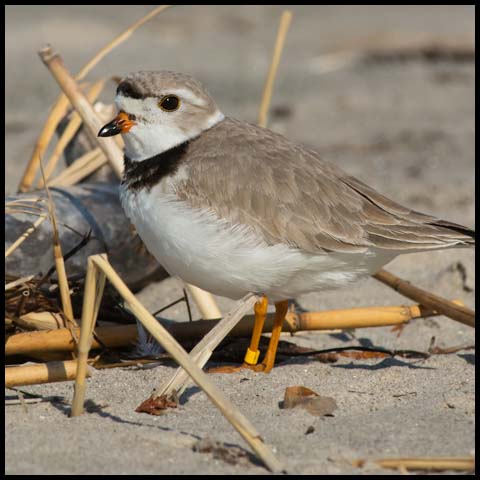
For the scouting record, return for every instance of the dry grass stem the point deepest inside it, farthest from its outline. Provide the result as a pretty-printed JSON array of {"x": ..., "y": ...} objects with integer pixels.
[
  {"x": 445, "y": 307},
  {"x": 117, "y": 41},
  {"x": 204, "y": 349},
  {"x": 59, "y": 262},
  {"x": 57, "y": 112},
  {"x": 60, "y": 107},
  {"x": 25, "y": 235},
  {"x": 277, "y": 53},
  {"x": 463, "y": 464},
  {"x": 15, "y": 283},
  {"x": 69, "y": 132},
  {"x": 92, "y": 296},
  {"x": 80, "y": 168},
  {"x": 41, "y": 373}
]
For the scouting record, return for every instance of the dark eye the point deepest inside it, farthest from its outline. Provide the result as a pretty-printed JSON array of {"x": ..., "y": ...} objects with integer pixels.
[{"x": 169, "y": 103}]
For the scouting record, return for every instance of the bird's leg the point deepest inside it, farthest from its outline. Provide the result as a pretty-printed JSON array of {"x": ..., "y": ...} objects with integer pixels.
[
  {"x": 281, "y": 309},
  {"x": 251, "y": 357}
]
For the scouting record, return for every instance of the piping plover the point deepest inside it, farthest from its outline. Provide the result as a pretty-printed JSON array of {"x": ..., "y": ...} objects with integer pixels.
[{"x": 235, "y": 208}]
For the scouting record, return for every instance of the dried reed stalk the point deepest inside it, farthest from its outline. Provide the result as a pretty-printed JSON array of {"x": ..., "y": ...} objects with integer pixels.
[
  {"x": 122, "y": 335},
  {"x": 41, "y": 373},
  {"x": 205, "y": 302},
  {"x": 445, "y": 307},
  {"x": 80, "y": 168},
  {"x": 18, "y": 282},
  {"x": 204, "y": 349},
  {"x": 463, "y": 464},
  {"x": 25, "y": 235},
  {"x": 233, "y": 415},
  {"x": 277, "y": 53},
  {"x": 60, "y": 107},
  {"x": 59, "y": 262},
  {"x": 69, "y": 132},
  {"x": 78, "y": 100},
  {"x": 94, "y": 283}
]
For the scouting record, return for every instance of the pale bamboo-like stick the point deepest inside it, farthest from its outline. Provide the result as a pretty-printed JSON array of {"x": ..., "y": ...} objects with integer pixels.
[
  {"x": 69, "y": 132},
  {"x": 42, "y": 373},
  {"x": 60, "y": 107},
  {"x": 25, "y": 235},
  {"x": 89, "y": 314},
  {"x": 78, "y": 100},
  {"x": 231, "y": 413},
  {"x": 57, "y": 112},
  {"x": 59, "y": 262},
  {"x": 277, "y": 53},
  {"x": 445, "y": 307},
  {"x": 61, "y": 339},
  {"x": 204, "y": 349},
  {"x": 80, "y": 168},
  {"x": 205, "y": 302},
  {"x": 464, "y": 464},
  {"x": 17, "y": 282}
]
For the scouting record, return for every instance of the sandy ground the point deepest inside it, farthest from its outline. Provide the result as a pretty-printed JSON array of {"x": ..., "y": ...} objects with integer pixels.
[{"x": 404, "y": 127}]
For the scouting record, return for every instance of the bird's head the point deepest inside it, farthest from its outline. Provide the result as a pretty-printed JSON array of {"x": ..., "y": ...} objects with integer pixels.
[{"x": 159, "y": 110}]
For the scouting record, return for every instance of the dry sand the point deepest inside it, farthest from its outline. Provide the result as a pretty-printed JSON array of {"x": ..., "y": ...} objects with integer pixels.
[{"x": 404, "y": 127}]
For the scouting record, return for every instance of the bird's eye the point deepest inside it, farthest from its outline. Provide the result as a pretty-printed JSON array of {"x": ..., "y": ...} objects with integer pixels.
[{"x": 169, "y": 103}]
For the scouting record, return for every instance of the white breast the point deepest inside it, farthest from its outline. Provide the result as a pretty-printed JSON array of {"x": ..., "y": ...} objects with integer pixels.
[{"x": 231, "y": 261}]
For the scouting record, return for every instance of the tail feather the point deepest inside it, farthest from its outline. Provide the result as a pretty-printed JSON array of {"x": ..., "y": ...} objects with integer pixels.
[{"x": 465, "y": 234}]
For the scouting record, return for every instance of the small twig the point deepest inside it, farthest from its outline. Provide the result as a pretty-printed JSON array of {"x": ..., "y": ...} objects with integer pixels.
[
  {"x": 69, "y": 132},
  {"x": 59, "y": 263},
  {"x": 15, "y": 283},
  {"x": 464, "y": 464},
  {"x": 82, "y": 167},
  {"x": 25, "y": 235},
  {"x": 445, "y": 307},
  {"x": 277, "y": 53}
]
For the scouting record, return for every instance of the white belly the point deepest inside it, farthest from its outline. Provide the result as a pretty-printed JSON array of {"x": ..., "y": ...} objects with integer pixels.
[{"x": 231, "y": 261}]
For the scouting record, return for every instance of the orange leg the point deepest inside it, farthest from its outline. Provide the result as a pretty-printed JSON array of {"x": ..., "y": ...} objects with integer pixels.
[
  {"x": 281, "y": 309},
  {"x": 251, "y": 357}
]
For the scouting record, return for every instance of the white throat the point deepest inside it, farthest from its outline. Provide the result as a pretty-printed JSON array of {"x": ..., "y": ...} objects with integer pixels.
[{"x": 147, "y": 140}]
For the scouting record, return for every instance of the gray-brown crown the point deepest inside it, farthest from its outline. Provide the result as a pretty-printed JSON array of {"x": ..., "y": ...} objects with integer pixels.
[{"x": 148, "y": 83}]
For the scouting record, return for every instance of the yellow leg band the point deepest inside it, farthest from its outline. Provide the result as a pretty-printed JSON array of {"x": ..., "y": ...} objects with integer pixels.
[{"x": 251, "y": 357}]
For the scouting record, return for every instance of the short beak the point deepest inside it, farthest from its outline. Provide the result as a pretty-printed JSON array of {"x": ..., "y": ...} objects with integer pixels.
[{"x": 122, "y": 123}]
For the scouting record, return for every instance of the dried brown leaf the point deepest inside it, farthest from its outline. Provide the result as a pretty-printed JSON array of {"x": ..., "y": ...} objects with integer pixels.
[
  {"x": 156, "y": 405},
  {"x": 311, "y": 401}
]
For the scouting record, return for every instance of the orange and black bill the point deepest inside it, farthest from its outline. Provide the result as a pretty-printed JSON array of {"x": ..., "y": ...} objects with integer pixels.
[{"x": 122, "y": 123}]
